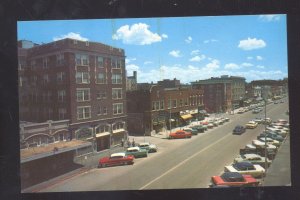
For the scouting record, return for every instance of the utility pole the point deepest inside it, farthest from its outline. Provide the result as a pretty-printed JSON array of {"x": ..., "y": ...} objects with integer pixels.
[{"x": 265, "y": 100}]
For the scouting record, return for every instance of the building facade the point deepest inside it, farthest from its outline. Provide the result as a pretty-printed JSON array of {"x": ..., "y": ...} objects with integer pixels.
[
  {"x": 155, "y": 109},
  {"x": 80, "y": 81},
  {"x": 217, "y": 94},
  {"x": 131, "y": 82}
]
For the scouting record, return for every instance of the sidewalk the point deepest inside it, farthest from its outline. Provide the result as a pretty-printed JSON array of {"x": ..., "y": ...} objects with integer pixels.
[{"x": 279, "y": 173}]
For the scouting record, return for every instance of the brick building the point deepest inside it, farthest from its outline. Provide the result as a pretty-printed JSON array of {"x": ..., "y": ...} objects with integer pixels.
[
  {"x": 80, "y": 81},
  {"x": 131, "y": 82},
  {"x": 217, "y": 94},
  {"x": 155, "y": 108}
]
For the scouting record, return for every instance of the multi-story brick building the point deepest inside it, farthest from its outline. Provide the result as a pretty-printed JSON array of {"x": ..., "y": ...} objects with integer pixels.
[
  {"x": 155, "y": 108},
  {"x": 80, "y": 81},
  {"x": 217, "y": 95}
]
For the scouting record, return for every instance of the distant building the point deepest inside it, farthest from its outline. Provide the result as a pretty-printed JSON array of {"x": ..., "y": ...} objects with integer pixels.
[
  {"x": 154, "y": 108},
  {"x": 167, "y": 83},
  {"x": 131, "y": 82},
  {"x": 80, "y": 81},
  {"x": 217, "y": 94}
]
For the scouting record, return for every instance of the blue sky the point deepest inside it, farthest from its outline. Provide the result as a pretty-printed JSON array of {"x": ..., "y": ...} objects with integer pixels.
[{"x": 186, "y": 48}]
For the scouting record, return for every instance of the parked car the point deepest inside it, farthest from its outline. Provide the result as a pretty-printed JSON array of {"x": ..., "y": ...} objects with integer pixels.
[
  {"x": 281, "y": 132},
  {"x": 255, "y": 111},
  {"x": 248, "y": 168},
  {"x": 180, "y": 134},
  {"x": 149, "y": 147},
  {"x": 210, "y": 125},
  {"x": 137, "y": 152},
  {"x": 233, "y": 179},
  {"x": 199, "y": 128},
  {"x": 251, "y": 124},
  {"x": 258, "y": 120},
  {"x": 270, "y": 141},
  {"x": 238, "y": 130},
  {"x": 271, "y": 135},
  {"x": 267, "y": 121},
  {"x": 116, "y": 159},
  {"x": 193, "y": 131},
  {"x": 251, "y": 149},
  {"x": 253, "y": 158}
]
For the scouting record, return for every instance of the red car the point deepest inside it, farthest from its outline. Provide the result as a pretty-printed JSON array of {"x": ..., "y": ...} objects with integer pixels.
[
  {"x": 233, "y": 179},
  {"x": 180, "y": 134},
  {"x": 116, "y": 159}
]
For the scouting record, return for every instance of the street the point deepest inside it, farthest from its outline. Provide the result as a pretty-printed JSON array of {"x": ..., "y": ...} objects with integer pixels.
[{"x": 182, "y": 163}]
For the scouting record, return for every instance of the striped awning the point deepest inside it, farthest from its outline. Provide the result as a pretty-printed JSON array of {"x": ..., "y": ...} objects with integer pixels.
[{"x": 185, "y": 117}]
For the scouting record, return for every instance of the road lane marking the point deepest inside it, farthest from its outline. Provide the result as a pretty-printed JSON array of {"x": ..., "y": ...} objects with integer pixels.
[{"x": 183, "y": 162}]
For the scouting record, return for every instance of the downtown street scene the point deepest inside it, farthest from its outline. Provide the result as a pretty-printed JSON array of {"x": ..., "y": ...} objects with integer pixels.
[{"x": 156, "y": 103}]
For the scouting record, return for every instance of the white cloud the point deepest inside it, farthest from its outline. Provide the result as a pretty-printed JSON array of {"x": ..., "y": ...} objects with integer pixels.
[
  {"x": 195, "y": 52},
  {"x": 247, "y": 64},
  {"x": 148, "y": 62},
  {"x": 214, "y": 64},
  {"x": 137, "y": 34},
  {"x": 189, "y": 40},
  {"x": 259, "y": 58},
  {"x": 232, "y": 66},
  {"x": 175, "y": 53},
  {"x": 209, "y": 41},
  {"x": 260, "y": 66},
  {"x": 250, "y": 44},
  {"x": 128, "y": 60},
  {"x": 71, "y": 35},
  {"x": 164, "y": 36},
  {"x": 249, "y": 58},
  {"x": 269, "y": 18},
  {"x": 198, "y": 58}
]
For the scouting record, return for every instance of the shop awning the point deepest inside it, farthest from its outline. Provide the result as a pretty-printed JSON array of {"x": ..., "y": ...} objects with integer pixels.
[
  {"x": 185, "y": 117},
  {"x": 102, "y": 134}
]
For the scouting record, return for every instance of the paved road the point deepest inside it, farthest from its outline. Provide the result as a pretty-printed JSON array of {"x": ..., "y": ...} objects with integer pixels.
[{"x": 186, "y": 163}]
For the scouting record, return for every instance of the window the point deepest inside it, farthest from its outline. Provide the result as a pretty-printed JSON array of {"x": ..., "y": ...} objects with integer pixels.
[
  {"x": 186, "y": 101},
  {"x": 50, "y": 113},
  {"x": 34, "y": 80},
  {"x": 117, "y": 108},
  {"x": 83, "y": 112},
  {"x": 101, "y": 78},
  {"x": 61, "y": 95},
  {"x": 49, "y": 96},
  {"x": 83, "y": 94},
  {"x": 118, "y": 126},
  {"x": 116, "y": 93},
  {"x": 169, "y": 103},
  {"x": 101, "y": 94},
  {"x": 32, "y": 64},
  {"x": 116, "y": 79},
  {"x": 180, "y": 103},
  {"x": 45, "y": 62},
  {"x": 82, "y": 59},
  {"x": 60, "y": 59},
  {"x": 45, "y": 78},
  {"x": 62, "y": 113},
  {"x": 74, "y": 41},
  {"x": 162, "y": 105},
  {"x": 60, "y": 76},
  {"x": 102, "y": 110},
  {"x": 82, "y": 77},
  {"x": 114, "y": 63},
  {"x": 102, "y": 129},
  {"x": 99, "y": 61},
  {"x": 87, "y": 43},
  {"x": 174, "y": 103}
]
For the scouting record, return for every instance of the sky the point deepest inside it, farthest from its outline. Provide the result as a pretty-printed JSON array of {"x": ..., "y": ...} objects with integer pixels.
[{"x": 185, "y": 48}]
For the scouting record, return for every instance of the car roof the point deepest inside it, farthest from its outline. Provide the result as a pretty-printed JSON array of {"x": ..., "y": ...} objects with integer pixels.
[
  {"x": 244, "y": 164},
  {"x": 251, "y": 155},
  {"x": 133, "y": 148},
  {"x": 144, "y": 143},
  {"x": 117, "y": 154},
  {"x": 250, "y": 146},
  {"x": 230, "y": 175}
]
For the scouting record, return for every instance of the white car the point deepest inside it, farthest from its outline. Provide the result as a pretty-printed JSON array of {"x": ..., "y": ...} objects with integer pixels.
[
  {"x": 253, "y": 158},
  {"x": 149, "y": 147},
  {"x": 248, "y": 168},
  {"x": 261, "y": 144},
  {"x": 270, "y": 141},
  {"x": 281, "y": 132}
]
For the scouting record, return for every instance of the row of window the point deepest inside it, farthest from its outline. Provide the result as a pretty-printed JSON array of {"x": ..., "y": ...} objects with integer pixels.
[
  {"x": 82, "y": 94},
  {"x": 101, "y": 78},
  {"x": 84, "y": 112},
  {"x": 81, "y": 60},
  {"x": 84, "y": 60},
  {"x": 174, "y": 103}
]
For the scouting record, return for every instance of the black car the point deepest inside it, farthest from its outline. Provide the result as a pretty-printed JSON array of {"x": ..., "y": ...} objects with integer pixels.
[{"x": 238, "y": 130}]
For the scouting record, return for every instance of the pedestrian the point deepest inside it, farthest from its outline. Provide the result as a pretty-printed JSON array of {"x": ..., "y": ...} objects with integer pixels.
[
  {"x": 128, "y": 143},
  {"x": 133, "y": 142}
]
